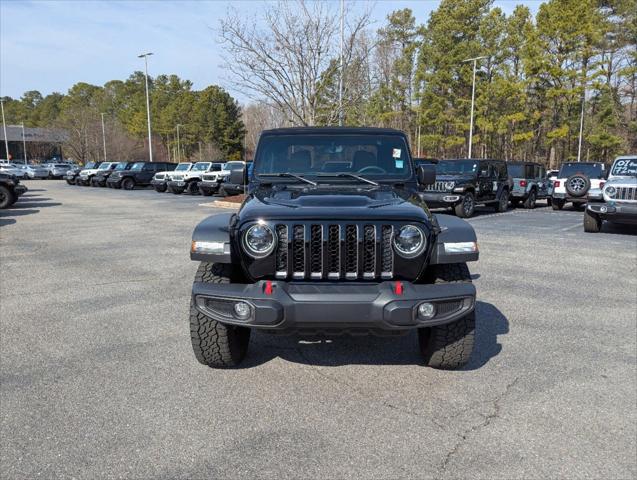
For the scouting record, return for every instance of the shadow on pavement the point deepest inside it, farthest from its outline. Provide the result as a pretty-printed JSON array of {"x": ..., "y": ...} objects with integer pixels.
[
  {"x": 332, "y": 351},
  {"x": 13, "y": 212},
  {"x": 619, "y": 229},
  {"x": 6, "y": 221}
]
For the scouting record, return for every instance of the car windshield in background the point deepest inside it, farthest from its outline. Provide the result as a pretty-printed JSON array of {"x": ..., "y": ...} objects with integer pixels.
[
  {"x": 456, "y": 167},
  {"x": 216, "y": 167},
  {"x": 201, "y": 166},
  {"x": 591, "y": 170},
  {"x": 89, "y": 165},
  {"x": 182, "y": 167},
  {"x": 381, "y": 156},
  {"x": 62, "y": 165},
  {"x": 516, "y": 171},
  {"x": 104, "y": 166},
  {"x": 121, "y": 166},
  {"x": 626, "y": 167},
  {"x": 137, "y": 166}
]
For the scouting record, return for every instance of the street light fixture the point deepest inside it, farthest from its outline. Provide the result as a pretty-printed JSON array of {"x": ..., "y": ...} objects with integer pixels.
[
  {"x": 473, "y": 96},
  {"x": 103, "y": 136},
  {"x": 150, "y": 139}
]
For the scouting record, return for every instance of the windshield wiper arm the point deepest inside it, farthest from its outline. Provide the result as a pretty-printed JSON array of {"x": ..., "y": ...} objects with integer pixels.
[
  {"x": 350, "y": 175},
  {"x": 289, "y": 175}
]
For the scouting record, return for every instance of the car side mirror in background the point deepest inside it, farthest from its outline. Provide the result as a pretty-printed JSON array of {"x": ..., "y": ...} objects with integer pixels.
[
  {"x": 426, "y": 174},
  {"x": 238, "y": 177}
]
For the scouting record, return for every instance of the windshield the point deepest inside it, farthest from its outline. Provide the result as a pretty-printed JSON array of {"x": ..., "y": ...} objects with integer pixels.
[
  {"x": 456, "y": 167},
  {"x": 121, "y": 166},
  {"x": 234, "y": 166},
  {"x": 201, "y": 166},
  {"x": 516, "y": 171},
  {"x": 90, "y": 165},
  {"x": 182, "y": 167},
  {"x": 216, "y": 167},
  {"x": 380, "y": 156},
  {"x": 625, "y": 167},
  {"x": 63, "y": 165},
  {"x": 104, "y": 166},
  {"x": 591, "y": 170}
]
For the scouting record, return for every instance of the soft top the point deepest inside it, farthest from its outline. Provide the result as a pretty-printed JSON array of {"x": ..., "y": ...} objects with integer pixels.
[{"x": 333, "y": 131}]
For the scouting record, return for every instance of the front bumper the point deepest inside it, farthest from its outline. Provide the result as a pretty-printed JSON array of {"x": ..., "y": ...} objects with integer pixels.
[
  {"x": 334, "y": 307},
  {"x": 177, "y": 184},
  {"x": 620, "y": 213},
  {"x": 20, "y": 190},
  {"x": 212, "y": 187},
  {"x": 117, "y": 181},
  {"x": 154, "y": 182},
  {"x": 441, "y": 199}
]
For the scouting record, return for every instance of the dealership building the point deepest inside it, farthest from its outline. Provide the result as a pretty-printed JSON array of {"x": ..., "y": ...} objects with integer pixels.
[{"x": 41, "y": 143}]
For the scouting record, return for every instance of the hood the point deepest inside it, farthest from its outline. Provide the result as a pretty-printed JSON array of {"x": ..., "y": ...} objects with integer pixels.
[
  {"x": 623, "y": 181},
  {"x": 333, "y": 202},
  {"x": 460, "y": 178},
  {"x": 89, "y": 171}
]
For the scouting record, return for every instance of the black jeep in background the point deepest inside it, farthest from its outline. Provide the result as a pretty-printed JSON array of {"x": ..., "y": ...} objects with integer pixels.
[
  {"x": 99, "y": 179},
  {"x": 333, "y": 237},
  {"x": 138, "y": 175},
  {"x": 464, "y": 184}
]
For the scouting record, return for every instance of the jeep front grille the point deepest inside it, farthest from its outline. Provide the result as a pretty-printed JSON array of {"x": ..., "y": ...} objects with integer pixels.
[
  {"x": 178, "y": 177},
  {"x": 210, "y": 177},
  {"x": 626, "y": 193},
  {"x": 436, "y": 187},
  {"x": 159, "y": 176},
  {"x": 334, "y": 251}
]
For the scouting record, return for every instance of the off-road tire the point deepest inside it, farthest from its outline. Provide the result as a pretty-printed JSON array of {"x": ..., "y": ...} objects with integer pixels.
[
  {"x": 450, "y": 345},
  {"x": 592, "y": 222},
  {"x": 467, "y": 206},
  {"x": 549, "y": 201},
  {"x": 128, "y": 183},
  {"x": 530, "y": 201},
  {"x": 502, "y": 204},
  {"x": 557, "y": 204},
  {"x": 216, "y": 344},
  {"x": 583, "y": 180},
  {"x": 70, "y": 182},
  {"x": 222, "y": 192},
  {"x": 7, "y": 197},
  {"x": 160, "y": 188},
  {"x": 192, "y": 188},
  {"x": 205, "y": 193}
]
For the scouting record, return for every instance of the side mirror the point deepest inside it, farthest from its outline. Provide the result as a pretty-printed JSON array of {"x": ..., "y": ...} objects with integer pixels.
[
  {"x": 484, "y": 173},
  {"x": 426, "y": 174},
  {"x": 238, "y": 177}
]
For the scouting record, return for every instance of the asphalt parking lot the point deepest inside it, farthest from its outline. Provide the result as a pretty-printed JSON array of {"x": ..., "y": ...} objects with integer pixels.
[{"x": 98, "y": 378}]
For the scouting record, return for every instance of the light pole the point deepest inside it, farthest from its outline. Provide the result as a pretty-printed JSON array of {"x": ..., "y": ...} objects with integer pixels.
[
  {"x": 4, "y": 127},
  {"x": 581, "y": 127},
  {"x": 340, "y": 79},
  {"x": 24, "y": 144},
  {"x": 473, "y": 96},
  {"x": 103, "y": 136},
  {"x": 178, "y": 147},
  {"x": 150, "y": 138}
]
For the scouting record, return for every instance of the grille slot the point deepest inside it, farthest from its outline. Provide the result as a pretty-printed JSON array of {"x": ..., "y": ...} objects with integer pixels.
[
  {"x": 334, "y": 251},
  {"x": 626, "y": 193},
  {"x": 436, "y": 187}
]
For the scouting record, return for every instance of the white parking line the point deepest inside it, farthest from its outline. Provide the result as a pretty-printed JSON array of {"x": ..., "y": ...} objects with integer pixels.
[{"x": 577, "y": 225}]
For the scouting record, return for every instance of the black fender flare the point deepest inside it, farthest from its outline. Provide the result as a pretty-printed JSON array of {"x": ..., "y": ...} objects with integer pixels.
[
  {"x": 213, "y": 229},
  {"x": 453, "y": 230}
]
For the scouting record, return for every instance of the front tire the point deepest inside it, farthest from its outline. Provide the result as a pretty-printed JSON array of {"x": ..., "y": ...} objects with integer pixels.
[
  {"x": 450, "y": 345},
  {"x": 128, "y": 183},
  {"x": 192, "y": 188},
  {"x": 216, "y": 344},
  {"x": 592, "y": 222},
  {"x": 466, "y": 207},
  {"x": 503, "y": 203},
  {"x": 160, "y": 188},
  {"x": 530, "y": 201},
  {"x": 7, "y": 197}
]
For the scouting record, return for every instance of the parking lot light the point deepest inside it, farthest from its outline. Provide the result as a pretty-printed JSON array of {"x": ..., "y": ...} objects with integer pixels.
[{"x": 150, "y": 139}]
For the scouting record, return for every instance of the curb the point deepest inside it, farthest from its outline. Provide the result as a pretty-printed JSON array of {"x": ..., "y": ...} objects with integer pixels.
[{"x": 221, "y": 204}]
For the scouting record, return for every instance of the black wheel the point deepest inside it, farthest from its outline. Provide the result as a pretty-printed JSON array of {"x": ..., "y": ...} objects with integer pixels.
[
  {"x": 160, "y": 188},
  {"x": 503, "y": 203},
  {"x": 449, "y": 346},
  {"x": 557, "y": 204},
  {"x": 7, "y": 197},
  {"x": 205, "y": 193},
  {"x": 530, "y": 200},
  {"x": 466, "y": 207},
  {"x": 128, "y": 183},
  {"x": 548, "y": 201},
  {"x": 592, "y": 222},
  {"x": 69, "y": 182},
  {"x": 176, "y": 191},
  {"x": 94, "y": 183},
  {"x": 222, "y": 192},
  {"x": 192, "y": 188},
  {"x": 216, "y": 344}
]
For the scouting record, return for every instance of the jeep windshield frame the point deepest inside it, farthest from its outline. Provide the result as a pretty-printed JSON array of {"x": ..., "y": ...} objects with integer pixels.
[{"x": 329, "y": 157}]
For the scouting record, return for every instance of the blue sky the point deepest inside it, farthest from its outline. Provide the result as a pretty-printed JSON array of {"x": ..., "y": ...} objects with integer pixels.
[{"x": 51, "y": 45}]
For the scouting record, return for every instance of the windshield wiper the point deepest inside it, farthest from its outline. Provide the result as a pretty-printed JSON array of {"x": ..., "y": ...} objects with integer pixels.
[
  {"x": 289, "y": 175},
  {"x": 350, "y": 175}
]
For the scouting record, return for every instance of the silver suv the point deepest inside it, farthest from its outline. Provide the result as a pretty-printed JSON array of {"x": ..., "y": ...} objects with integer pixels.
[
  {"x": 530, "y": 183},
  {"x": 618, "y": 202}
]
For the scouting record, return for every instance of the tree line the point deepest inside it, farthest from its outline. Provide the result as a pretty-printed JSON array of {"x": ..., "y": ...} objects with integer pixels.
[
  {"x": 539, "y": 77},
  {"x": 210, "y": 125}
]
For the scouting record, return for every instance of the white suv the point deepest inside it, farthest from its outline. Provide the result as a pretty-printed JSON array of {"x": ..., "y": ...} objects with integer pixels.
[
  {"x": 160, "y": 179},
  {"x": 189, "y": 180},
  {"x": 576, "y": 181}
]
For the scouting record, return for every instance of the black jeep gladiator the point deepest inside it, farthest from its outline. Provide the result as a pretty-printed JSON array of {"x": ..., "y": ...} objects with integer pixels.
[
  {"x": 463, "y": 184},
  {"x": 333, "y": 237},
  {"x": 10, "y": 190}
]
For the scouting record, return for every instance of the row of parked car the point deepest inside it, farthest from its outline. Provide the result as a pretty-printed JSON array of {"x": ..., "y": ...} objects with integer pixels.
[
  {"x": 36, "y": 171},
  {"x": 205, "y": 178}
]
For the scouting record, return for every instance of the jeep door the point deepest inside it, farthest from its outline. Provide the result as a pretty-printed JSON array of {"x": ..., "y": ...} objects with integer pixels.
[
  {"x": 485, "y": 181},
  {"x": 147, "y": 173},
  {"x": 542, "y": 182}
]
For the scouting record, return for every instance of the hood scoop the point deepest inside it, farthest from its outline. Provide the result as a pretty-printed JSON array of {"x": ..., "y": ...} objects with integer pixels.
[{"x": 322, "y": 199}]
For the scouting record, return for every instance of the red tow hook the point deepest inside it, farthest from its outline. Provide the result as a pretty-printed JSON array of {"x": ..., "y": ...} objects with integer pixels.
[
  {"x": 268, "y": 287},
  {"x": 398, "y": 288}
]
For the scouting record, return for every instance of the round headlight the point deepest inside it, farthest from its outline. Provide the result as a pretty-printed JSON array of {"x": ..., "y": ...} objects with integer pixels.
[
  {"x": 259, "y": 241},
  {"x": 449, "y": 185},
  {"x": 409, "y": 242},
  {"x": 610, "y": 191}
]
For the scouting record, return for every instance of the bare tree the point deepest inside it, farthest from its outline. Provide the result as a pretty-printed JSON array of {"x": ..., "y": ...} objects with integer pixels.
[
  {"x": 289, "y": 62},
  {"x": 257, "y": 117}
]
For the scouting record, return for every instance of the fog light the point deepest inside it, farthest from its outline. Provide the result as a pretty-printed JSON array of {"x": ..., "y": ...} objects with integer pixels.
[
  {"x": 603, "y": 209},
  {"x": 426, "y": 310},
  {"x": 242, "y": 310}
]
